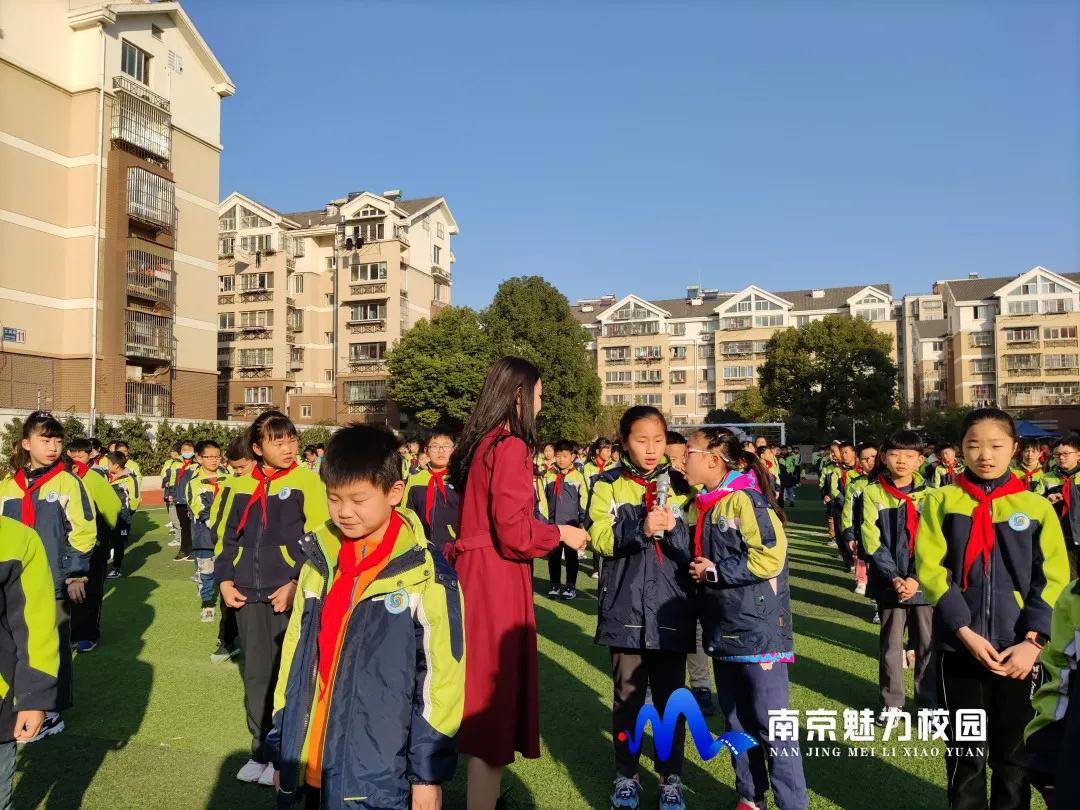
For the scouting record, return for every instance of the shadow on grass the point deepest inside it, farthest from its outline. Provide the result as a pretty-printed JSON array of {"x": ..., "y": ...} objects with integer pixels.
[
  {"x": 853, "y": 639},
  {"x": 230, "y": 793},
  {"x": 823, "y": 599}
]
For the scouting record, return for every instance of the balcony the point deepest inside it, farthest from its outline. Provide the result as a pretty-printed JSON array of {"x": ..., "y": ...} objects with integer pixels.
[
  {"x": 296, "y": 364},
  {"x": 257, "y": 294},
  {"x": 618, "y": 384},
  {"x": 617, "y": 361},
  {"x": 151, "y": 199},
  {"x": 366, "y": 327},
  {"x": 149, "y": 276},
  {"x": 1024, "y": 372},
  {"x": 251, "y": 409},
  {"x": 255, "y": 333},
  {"x": 226, "y": 336},
  {"x": 363, "y": 365},
  {"x": 1062, "y": 371},
  {"x": 1060, "y": 343},
  {"x": 146, "y": 399},
  {"x": 140, "y": 123},
  {"x": 373, "y": 410},
  {"x": 148, "y": 337},
  {"x": 648, "y": 383},
  {"x": 439, "y": 274},
  {"x": 377, "y": 288},
  {"x": 735, "y": 324},
  {"x": 226, "y": 299}
]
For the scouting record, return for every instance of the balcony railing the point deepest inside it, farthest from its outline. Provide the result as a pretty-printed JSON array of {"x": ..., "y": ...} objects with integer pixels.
[
  {"x": 148, "y": 337},
  {"x": 616, "y": 361},
  {"x": 151, "y": 199},
  {"x": 1024, "y": 372},
  {"x": 142, "y": 124},
  {"x": 647, "y": 383},
  {"x": 366, "y": 327},
  {"x": 1061, "y": 371},
  {"x": 255, "y": 333},
  {"x": 363, "y": 365},
  {"x": 146, "y": 399},
  {"x": 1060, "y": 343},
  {"x": 226, "y": 299},
  {"x": 139, "y": 91},
  {"x": 378, "y": 288},
  {"x": 440, "y": 274},
  {"x": 150, "y": 276},
  {"x": 617, "y": 384}
]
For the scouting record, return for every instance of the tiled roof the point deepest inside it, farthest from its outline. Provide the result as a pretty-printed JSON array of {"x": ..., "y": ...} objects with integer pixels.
[
  {"x": 833, "y": 298},
  {"x": 318, "y": 217},
  {"x": 979, "y": 289},
  {"x": 410, "y": 207},
  {"x": 925, "y": 330},
  {"x": 682, "y": 308}
]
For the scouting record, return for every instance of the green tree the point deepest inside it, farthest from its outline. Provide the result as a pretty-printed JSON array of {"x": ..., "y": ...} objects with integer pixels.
[
  {"x": 943, "y": 426},
  {"x": 438, "y": 367},
  {"x": 530, "y": 318},
  {"x": 723, "y": 416},
  {"x": 828, "y": 369},
  {"x": 319, "y": 434},
  {"x": 606, "y": 423}
]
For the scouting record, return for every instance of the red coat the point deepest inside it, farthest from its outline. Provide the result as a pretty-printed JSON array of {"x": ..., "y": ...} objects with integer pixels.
[{"x": 499, "y": 538}]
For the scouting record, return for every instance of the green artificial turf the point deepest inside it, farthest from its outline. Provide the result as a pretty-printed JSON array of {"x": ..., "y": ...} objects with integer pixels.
[{"x": 158, "y": 726}]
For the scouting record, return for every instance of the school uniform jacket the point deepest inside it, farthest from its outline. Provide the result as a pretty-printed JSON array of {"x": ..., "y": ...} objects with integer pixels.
[
  {"x": 851, "y": 512},
  {"x": 126, "y": 488},
  {"x": 1028, "y": 566},
  {"x": 825, "y": 472},
  {"x": 568, "y": 500},
  {"x": 183, "y": 473},
  {"x": 265, "y": 554},
  {"x": 202, "y": 490},
  {"x": 885, "y": 541},
  {"x": 941, "y": 477},
  {"x": 64, "y": 520},
  {"x": 644, "y": 594},
  {"x": 168, "y": 469},
  {"x": 106, "y": 503},
  {"x": 1056, "y": 484},
  {"x": 440, "y": 515},
  {"x": 592, "y": 471},
  {"x": 29, "y": 644},
  {"x": 1035, "y": 480},
  {"x": 398, "y": 679}
]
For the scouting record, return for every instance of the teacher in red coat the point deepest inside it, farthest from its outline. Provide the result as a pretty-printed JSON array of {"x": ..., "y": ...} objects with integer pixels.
[{"x": 498, "y": 538}]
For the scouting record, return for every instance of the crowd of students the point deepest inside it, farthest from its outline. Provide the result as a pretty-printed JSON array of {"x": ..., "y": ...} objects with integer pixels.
[{"x": 331, "y": 570}]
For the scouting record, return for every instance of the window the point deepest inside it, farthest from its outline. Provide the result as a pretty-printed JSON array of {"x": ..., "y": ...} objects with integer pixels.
[
  {"x": 257, "y": 396},
  {"x": 365, "y": 390},
  {"x": 367, "y": 312},
  {"x": 1026, "y": 362},
  {"x": 252, "y": 282},
  {"x": 677, "y": 329},
  {"x": 678, "y": 377},
  {"x": 1059, "y": 332},
  {"x": 1057, "y": 305},
  {"x": 768, "y": 320},
  {"x": 734, "y": 348},
  {"x": 305, "y": 411},
  {"x": 328, "y": 375},
  {"x": 226, "y": 283},
  {"x": 135, "y": 62},
  {"x": 875, "y": 314},
  {"x": 1059, "y": 361},
  {"x": 226, "y": 246},
  {"x": 706, "y": 352},
  {"x": 328, "y": 299},
  {"x": 368, "y": 272},
  {"x": 440, "y": 292},
  {"x": 982, "y": 339},
  {"x": 764, "y": 305},
  {"x": 617, "y": 399},
  {"x": 649, "y": 399},
  {"x": 982, "y": 393},
  {"x": 296, "y": 356},
  {"x": 939, "y": 345},
  {"x": 983, "y": 312},
  {"x": 436, "y": 254},
  {"x": 328, "y": 337},
  {"x": 366, "y": 352},
  {"x": 738, "y": 372},
  {"x": 646, "y": 352},
  {"x": 263, "y": 242},
  {"x": 440, "y": 230},
  {"x": 261, "y": 318},
  {"x": 296, "y": 283},
  {"x": 982, "y": 366},
  {"x": 735, "y": 323},
  {"x": 706, "y": 375},
  {"x": 635, "y": 329},
  {"x": 616, "y": 353},
  {"x": 156, "y": 32},
  {"x": 369, "y": 232},
  {"x": 331, "y": 262},
  {"x": 255, "y": 358},
  {"x": 706, "y": 400},
  {"x": 370, "y": 211},
  {"x": 1028, "y": 334},
  {"x": 1023, "y": 307},
  {"x": 678, "y": 352},
  {"x": 802, "y": 320},
  {"x": 615, "y": 377},
  {"x": 226, "y": 320},
  {"x": 680, "y": 400},
  {"x": 295, "y": 317},
  {"x": 650, "y": 376}
]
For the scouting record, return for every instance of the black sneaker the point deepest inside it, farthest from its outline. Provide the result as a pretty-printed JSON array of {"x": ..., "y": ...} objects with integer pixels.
[
  {"x": 53, "y": 724},
  {"x": 114, "y": 573},
  {"x": 568, "y": 593},
  {"x": 182, "y": 557},
  {"x": 222, "y": 654},
  {"x": 704, "y": 700}
]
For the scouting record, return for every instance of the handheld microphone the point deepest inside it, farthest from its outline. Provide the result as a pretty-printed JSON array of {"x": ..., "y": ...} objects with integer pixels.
[{"x": 663, "y": 487}]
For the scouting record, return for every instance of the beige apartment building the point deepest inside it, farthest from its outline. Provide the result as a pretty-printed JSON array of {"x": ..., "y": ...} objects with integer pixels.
[
  {"x": 110, "y": 147},
  {"x": 692, "y": 354},
  {"x": 309, "y": 302}
]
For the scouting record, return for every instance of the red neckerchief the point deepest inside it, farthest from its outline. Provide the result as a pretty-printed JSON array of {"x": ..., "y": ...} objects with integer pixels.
[
  {"x": 260, "y": 491},
  {"x": 950, "y": 473},
  {"x": 843, "y": 477},
  {"x": 79, "y": 468},
  {"x": 1028, "y": 474},
  {"x": 560, "y": 476},
  {"x": 339, "y": 599},
  {"x": 1066, "y": 494},
  {"x": 650, "y": 501},
  {"x": 981, "y": 537},
  {"x": 27, "y": 514},
  {"x": 704, "y": 503},
  {"x": 600, "y": 465},
  {"x": 114, "y": 480},
  {"x": 214, "y": 483},
  {"x": 437, "y": 481},
  {"x": 911, "y": 516}
]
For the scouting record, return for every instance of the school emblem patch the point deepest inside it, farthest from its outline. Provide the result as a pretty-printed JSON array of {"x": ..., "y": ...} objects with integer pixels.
[
  {"x": 284, "y": 493},
  {"x": 397, "y": 602},
  {"x": 722, "y": 523},
  {"x": 52, "y": 497},
  {"x": 1019, "y": 521}
]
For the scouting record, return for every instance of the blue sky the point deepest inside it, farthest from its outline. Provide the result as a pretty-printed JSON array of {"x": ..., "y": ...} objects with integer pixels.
[{"x": 639, "y": 147}]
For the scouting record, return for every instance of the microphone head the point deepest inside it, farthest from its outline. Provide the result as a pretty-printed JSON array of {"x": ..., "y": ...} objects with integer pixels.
[{"x": 663, "y": 482}]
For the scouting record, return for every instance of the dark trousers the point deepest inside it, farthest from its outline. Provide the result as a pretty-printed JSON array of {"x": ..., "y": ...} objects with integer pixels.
[
  {"x": 747, "y": 693},
  {"x": 1073, "y": 553},
  {"x": 65, "y": 688},
  {"x": 919, "y": 621},
  {"x": 86, "y": 618},
  {"x": 183, "y": 514},
  {"x": 964, "y": 683},
  {"x": 632, "y": 671},
  {"x": 227, "y": 632},
  {"x": 118, "y": 542},
  {"x": 261, "y": 633},
  {"x": 555, "y": 564}
]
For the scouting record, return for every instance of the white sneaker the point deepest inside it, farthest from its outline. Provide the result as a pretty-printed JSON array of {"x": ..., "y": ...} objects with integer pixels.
[
  {"x": 267, "y": 777},
  {"x": 252, "y": 771},
  {"x": 860, "y": 588},
  {"x": 206, "y": 615},
  {"x": 174, "y": 542}
]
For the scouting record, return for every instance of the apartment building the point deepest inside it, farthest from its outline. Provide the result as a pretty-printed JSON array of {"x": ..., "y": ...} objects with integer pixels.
[
  {"x": 927, "y": 366},
  {"x": 109, "y": 152},
  {"x": 309, "y": 302},
  {"x": 692, "y": 354},
  {"x": 915, "y": 309}
]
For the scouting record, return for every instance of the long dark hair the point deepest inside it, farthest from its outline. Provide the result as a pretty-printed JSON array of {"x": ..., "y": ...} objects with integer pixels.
[
  {"x": 41, "y": 422},
  {"x": 510, "y": 381},
  {"x": 730, "y": 448}
]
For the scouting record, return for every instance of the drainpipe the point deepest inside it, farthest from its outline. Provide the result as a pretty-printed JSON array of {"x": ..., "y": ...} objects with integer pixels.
[{"x": 97, "y": 236}]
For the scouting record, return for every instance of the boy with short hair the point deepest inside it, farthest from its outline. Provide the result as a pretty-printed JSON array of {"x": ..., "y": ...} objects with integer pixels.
[
  {"x": 432, "y": 496},
  {"x": 376, "y": 631},
  {"x": 1062, "y": 488},
  {"x": 168, "y": 470},
  {"x": 178, "y": 497},
  {"x": 132, "y": 466},
  {"x": 851, "y": 516},
  {"x": 203, "y": 488},
  {"x": 567, "y": 497},
  {"x": 947, "y": 468},
  {"x": 1029, "y": 467},
  {"x": 126, "y": 487},
  {"x": 239, "y": 461},
  {"x": 838, "y": 479},
  {"x": 675, "y": 450}
]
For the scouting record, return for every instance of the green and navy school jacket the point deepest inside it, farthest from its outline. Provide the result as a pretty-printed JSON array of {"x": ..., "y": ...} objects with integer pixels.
[
  {"x": 1066, "y": 483},
  {"x": 1028, "y": 568},
  {"x": 941, "y": 477},
  {"x": 1052, "y": 738},
  {"x": 107, "y": 504},
  {"x": 440, "y": 514},
  {"x": 259, "y": 551},
  {"x": 168, "y": 470},
  {"x": 746, "y": 615},
  {"x": 126, "y": 487},
  {"x": 1034, "y": 480},
  {"x": 885, "y": 541},
  {"x": 399, "y": 684},
  {"x": 29, "y": 644},
  {"x": 592, "y": 471},
  {"x": 202, "y": 492},
  {"x": 567, "y": 496},
  {"x": 851, "y": 511},
  {"x": 825, "y": 472},
  {"x": 181, "y": 476},
  {"x": 64, "y": 519},
  {"x": 645, "y": 593},
  {"x": 839, "y": 478}
]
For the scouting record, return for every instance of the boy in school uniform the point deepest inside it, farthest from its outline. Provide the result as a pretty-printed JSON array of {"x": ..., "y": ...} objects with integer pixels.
[
  {"x": 203, "y": 489},
  {"x": 431, "y": 495},
  {"x": 126, "y": 487},
  {"x": 567, "y": 495},
  {"x": 238, "y": 464},
  {"x": 168, "y": 471},
  {"x": 1029, "y": 468},
  {"x": 178, "y": 497},
  {"x": 376, "y": 631},
  {"x": 947, "y": 467},
  {"x": 1062, "y": 488},
  {"x": 851, "y": 516},
  {"x": 838, "y": 479}
]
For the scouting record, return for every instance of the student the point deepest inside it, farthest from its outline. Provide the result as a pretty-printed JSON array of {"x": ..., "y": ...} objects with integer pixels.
[
  {"x": 991, "y": 559},
  {"x": 838, "y": 480},
  {"x": 789, "y": 475},
  {"x": 566, "y": 494},
  {"x": 29, "y": 644},
  {"x": 376, "y": 632},
  {"x": 258, "y": 560},
  {"x": 645, "y": 616},
  {"x": 829, "y": 463},
  {"x": 889, "y": 526},
  {"x": 1030, "y": 469},
  {"x": 739, "y": 559},
  {"x": 86, "y": 617},
  {"x": 432, "y": 496},
  {"x": 239, "y": 463},
  {"x": 126, "y": 487},
  {"x": 311, "y": 458},
  {"x": 599, "y": 460},
  {"x": 675, "y": 450},
  {"x": 131, "y": 466},
  {"x": 203, "y": 488},
  {"x": 178, "y": 497},
  {"x": 1061, "y": 487},
  {"x": 96, "y": 452},
  {"x": 44, "y": 496},
  {"x": 168, "y": 470},
  {"x": 946, "y": 469},
  {"x": 547, "y": 458},
  {"x": 851, "y": 516},
  {"x": 771, "y": 465}
]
